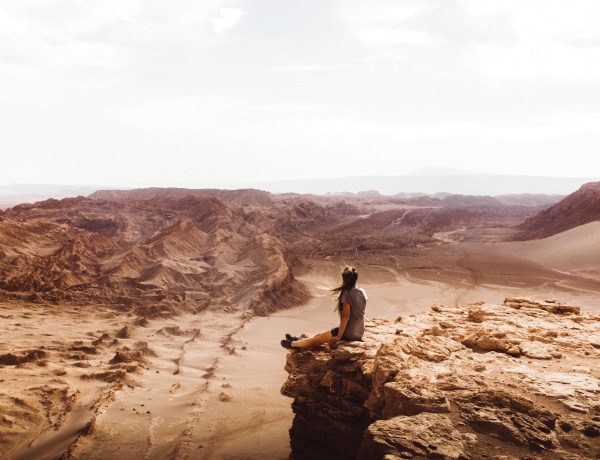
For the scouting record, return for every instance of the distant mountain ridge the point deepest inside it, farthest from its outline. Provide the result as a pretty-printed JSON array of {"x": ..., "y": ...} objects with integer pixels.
[
  {"x": 242, "y": 197},
  {"x": 253, "y": 197},
  {"x": 431, "y": 181},
  {"x": 579, "y": 208}
]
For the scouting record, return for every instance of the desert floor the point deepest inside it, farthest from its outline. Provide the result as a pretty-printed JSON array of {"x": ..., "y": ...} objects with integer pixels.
[{"x": 207, "y": 386}]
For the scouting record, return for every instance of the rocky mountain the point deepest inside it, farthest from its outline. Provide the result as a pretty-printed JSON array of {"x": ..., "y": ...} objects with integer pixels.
[
  {"x": 242, "y": 197},
  {"x": 519, "y": 380},
  {"x": 182, "y": 251},
  {"x": 579, "y": 208}
]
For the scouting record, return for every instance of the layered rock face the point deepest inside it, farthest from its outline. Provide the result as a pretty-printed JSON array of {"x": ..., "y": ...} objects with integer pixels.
[{"x": 512, "y": 381}]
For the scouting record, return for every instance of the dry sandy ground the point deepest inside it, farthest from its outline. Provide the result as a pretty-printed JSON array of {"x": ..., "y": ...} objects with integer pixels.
[{"x": 207, "y": 386}]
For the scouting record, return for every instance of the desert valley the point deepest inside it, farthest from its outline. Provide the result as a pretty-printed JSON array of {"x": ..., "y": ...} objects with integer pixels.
[{"x": 145, "y": 324}]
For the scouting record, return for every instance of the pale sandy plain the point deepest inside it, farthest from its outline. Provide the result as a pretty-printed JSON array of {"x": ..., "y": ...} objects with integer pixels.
[{"x": 210, "y": 384}]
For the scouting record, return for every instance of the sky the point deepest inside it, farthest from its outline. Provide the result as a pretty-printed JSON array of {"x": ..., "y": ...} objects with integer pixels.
[{"x": 137, "y": 93}]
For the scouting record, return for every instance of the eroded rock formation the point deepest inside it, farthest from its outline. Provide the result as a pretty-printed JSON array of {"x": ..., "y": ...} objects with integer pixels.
[
  {"x": 184, "y": 253},
  {"x": 512, "y": 381}
]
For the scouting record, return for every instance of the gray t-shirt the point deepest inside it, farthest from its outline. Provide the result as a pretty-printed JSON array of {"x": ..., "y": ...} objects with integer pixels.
[{"x": 357, "y": 298}]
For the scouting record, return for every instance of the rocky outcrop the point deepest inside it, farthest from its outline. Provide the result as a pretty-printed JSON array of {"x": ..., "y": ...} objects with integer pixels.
[{"x": 512, "y": 381}]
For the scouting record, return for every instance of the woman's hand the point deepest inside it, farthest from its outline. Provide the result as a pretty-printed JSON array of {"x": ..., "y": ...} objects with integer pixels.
[{"x": 333, "y": 342}]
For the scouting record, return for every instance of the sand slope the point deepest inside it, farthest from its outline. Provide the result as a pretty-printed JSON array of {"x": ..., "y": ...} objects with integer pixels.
[{"x": 575, "y": 250}]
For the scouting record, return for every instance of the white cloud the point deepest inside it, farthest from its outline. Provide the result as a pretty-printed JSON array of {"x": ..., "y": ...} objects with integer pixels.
[
  {"x": 298, "y": 68},
  {"x": 70, "y": 52},
  {"x": 228, "y": 20},
  {"x": 379, "y": 23},
  {"x": 546, "y": 37},
  {"x": 68, "y": 33},
  {"x": 511, "y": 39}
]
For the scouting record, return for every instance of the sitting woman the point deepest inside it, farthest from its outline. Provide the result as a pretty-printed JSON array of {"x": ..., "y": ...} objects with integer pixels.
[{"x": 351, "y": 304}]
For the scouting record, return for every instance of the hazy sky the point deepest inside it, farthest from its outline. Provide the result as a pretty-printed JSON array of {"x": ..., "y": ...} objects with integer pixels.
[{"x": 202, "y": 92}]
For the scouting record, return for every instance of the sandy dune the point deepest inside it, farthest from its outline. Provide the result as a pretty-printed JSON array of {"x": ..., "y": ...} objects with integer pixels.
[{"x": 574, "y": 251}]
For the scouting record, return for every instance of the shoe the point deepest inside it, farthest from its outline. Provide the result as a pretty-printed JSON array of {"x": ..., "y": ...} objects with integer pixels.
[
  {"x": 293, "y": 338},
  {"x": 287, "y": 344}
]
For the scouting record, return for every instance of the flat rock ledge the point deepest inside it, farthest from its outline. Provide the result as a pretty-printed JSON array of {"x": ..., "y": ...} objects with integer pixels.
[{"x": 479, "y": 381}]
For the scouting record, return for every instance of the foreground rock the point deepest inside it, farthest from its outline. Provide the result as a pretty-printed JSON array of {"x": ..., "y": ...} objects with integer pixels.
[{"x": 512, "y": 381}]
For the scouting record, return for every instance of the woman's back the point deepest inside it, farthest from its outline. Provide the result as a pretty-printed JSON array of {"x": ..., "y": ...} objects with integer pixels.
[{"x": 357, "y": 298}]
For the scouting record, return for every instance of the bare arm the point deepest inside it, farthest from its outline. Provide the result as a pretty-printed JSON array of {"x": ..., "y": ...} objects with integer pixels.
[{"x": 344, "y": 317}]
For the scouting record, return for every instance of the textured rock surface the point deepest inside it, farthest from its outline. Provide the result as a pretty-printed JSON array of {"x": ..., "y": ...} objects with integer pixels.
[{"x": 512, "y": 381}]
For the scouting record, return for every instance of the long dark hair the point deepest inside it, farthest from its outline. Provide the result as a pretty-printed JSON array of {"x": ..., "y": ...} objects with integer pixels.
[{"x": 349, "y": 277}]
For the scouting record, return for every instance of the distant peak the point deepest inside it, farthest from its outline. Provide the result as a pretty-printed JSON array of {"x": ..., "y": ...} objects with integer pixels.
[{"x": 591, "y": 186}]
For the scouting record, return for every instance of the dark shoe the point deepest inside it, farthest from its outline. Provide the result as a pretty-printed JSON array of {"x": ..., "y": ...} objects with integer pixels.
[
  {"x": 287, "y": 344},
  {"x": 291, "y": 337}
]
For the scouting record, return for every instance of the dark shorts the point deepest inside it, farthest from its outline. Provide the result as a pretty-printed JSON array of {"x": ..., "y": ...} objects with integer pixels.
[{"x": 336, "y": 330}]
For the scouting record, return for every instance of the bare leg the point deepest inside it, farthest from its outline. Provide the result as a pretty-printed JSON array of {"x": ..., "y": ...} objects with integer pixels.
[{"x": 314, "y": 341}]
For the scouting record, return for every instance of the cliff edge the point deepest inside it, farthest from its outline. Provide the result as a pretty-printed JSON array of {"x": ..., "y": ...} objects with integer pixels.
[{"x": 513, "y": 381}]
